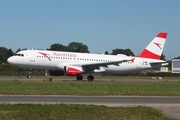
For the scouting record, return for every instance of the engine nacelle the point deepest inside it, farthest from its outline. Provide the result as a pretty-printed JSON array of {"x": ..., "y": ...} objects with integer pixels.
[
  {"x": 56, "y": 72},
  {"x": 73, "y": 70}
]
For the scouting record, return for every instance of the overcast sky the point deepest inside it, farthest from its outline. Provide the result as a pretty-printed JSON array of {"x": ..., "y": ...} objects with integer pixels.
[{"x": 102, "y": 25}]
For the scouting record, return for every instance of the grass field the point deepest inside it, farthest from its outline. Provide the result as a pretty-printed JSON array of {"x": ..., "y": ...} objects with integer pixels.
[
  {"x": 77, "y": 112},
  {"x": 84, "y": 112},
  {"x": 90, "y": 88}
]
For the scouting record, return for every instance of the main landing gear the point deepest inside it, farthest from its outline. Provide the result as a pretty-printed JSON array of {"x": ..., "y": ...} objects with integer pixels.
[
  {"x": 89, "y": 78},
  {"x": 79, "y": 77}
]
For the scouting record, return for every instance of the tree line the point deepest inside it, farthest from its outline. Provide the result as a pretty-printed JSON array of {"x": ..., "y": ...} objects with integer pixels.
[{"x": 80, "y": 47}]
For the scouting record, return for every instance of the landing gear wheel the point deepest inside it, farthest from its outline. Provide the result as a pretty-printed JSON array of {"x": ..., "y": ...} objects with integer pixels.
[
  {"x": 29, "y": 73},
  {"x": 29, "y": 76},
  {"x": 90, "y": 78},
  {"x": 80, "y": 77}
]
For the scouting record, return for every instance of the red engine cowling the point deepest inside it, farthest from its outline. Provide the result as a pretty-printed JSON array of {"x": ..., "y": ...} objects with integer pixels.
[
  {"x": 73, "y": 70},
  {"x": 56, "y": 72}
]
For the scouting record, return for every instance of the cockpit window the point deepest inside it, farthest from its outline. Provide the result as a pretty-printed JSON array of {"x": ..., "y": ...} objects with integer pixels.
[{"x": 21, "y": 55}]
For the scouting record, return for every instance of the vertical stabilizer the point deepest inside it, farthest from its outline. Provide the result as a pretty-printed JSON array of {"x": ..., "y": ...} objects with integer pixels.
[{"x": 155, "y": 47}]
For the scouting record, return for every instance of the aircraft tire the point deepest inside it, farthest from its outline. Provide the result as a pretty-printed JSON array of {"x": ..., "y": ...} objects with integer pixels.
[
  {"x": 28, "y": 76},
  {"x": 90, "y": 78},
  {"x": 80, "y": 77}
]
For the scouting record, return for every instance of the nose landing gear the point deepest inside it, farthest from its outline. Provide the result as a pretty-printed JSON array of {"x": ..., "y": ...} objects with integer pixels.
[{"x": 29, "y": 74}]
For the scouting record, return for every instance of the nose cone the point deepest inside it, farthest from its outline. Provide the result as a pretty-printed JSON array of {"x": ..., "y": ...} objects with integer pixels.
[{"x": 10, "y": 60}]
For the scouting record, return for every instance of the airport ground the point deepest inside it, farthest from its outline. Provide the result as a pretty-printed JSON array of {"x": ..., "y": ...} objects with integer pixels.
[
  {"x": 171, "y": 87},
  {"x": 98, "y": 78}
]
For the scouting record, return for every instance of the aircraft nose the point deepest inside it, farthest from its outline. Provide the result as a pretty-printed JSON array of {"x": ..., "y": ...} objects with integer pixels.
[{"x": 10, "y": 60}]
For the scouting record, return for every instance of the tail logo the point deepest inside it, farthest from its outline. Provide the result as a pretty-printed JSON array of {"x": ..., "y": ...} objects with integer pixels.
[
  {"x": 159, "y": 45},
  {"x": 155, "y": 47}
]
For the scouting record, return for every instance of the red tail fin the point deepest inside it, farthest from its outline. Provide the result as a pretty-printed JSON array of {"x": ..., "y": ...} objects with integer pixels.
[{"x": 155, "y": 48}]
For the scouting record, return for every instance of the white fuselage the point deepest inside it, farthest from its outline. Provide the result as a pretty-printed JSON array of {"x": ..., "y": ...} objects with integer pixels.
[{"x": 56, "y": 60}]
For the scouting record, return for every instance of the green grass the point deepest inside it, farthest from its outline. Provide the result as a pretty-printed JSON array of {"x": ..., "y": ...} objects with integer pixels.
[
  {"x": 83, "y": 112},
  {"x": 77, "y": 112},
  {"x": 90, "y": 88}
]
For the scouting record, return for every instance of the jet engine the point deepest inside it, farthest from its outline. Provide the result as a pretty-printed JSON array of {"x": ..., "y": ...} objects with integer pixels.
[{"x": 73, "y": 70}]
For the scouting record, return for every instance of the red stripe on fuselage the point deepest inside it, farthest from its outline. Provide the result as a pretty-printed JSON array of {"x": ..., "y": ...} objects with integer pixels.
[{"x": 147, "y": 54}]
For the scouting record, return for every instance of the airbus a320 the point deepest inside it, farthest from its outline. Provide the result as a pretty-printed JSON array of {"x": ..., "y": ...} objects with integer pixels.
[{"x": 76, "y": 64}]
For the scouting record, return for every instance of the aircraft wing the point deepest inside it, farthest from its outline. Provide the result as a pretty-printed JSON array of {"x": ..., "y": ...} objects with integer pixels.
[{"x": 92, "y": 66}]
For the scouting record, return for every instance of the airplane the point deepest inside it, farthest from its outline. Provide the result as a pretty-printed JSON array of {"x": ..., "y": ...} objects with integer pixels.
[{"x": 76, "y": 64}]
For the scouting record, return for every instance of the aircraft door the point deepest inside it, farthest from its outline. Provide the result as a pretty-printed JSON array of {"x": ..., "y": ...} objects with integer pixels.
[{"x": 32, "y": 56}]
